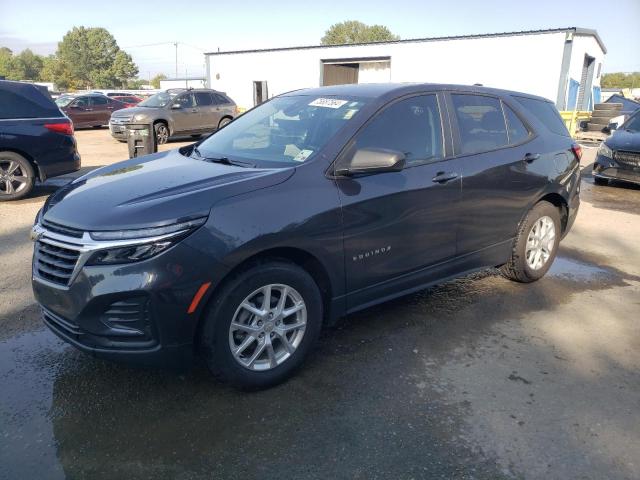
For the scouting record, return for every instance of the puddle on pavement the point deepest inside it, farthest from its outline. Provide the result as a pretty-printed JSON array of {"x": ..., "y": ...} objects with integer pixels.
[
  {"x": 568, "y": 268},
  {"x": 619, "y": 196}
]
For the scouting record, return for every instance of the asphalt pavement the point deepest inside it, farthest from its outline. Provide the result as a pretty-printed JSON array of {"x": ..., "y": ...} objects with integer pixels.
[{"x": 479, "y": 378}]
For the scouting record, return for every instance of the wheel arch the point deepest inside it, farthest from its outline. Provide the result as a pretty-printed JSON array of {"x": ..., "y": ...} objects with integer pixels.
[
  {"x": 166, "y": 122},
  {"x": 34, "y": 164},
  {"x": 297, "y": 256},
  {"x": 560, "y": 203}
]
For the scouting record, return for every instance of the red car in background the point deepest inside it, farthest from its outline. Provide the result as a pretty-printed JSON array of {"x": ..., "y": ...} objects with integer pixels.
[
  {"x": 89, "y": 110},
  {"x": 128, "y": 100}
]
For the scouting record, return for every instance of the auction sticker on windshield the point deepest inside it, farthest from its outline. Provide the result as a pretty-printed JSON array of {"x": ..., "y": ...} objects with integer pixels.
[{"x": 328, "y": 102}]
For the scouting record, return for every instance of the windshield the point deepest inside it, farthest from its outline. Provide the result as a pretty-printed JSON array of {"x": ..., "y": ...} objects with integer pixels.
[
  {"x": 633, "y": 124},
  {"x": 63, "y": 101},
  {"x": 286, "y": 130},
  {"x": 158, "y": 100}
]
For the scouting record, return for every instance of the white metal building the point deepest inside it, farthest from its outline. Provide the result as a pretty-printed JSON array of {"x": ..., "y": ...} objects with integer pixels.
[
  {"x": 563, "y": 64},
  {"x": 185, "y": 82}
]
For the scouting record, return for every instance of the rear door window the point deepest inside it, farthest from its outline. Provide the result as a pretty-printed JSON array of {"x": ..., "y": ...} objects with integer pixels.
[
  {"x": 480, "y": 122},
  {"x": 203, "y": 99},
  {"x": 99, "y": 100},
  {"x": 411, "y": 126},
  {"x": 516, "y": 130},
  {"x": 546, "y": 112}
]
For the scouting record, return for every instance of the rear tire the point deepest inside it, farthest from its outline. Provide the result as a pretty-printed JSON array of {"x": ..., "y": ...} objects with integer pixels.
[
  {"x": 266, "y": 359},
  {"x": 223, "y": 122},
  {"x": 536, "y": 244},
  {"x": 16, "y": 176}
]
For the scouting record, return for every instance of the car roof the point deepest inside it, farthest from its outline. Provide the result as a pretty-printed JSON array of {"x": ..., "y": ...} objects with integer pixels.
[{"x": 373, "y": 90}]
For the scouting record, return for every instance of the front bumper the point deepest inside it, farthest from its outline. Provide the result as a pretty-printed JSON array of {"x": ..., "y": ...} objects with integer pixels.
[
  {"x": 137, "y": 312},
  {"x": 605, "y": 167}
]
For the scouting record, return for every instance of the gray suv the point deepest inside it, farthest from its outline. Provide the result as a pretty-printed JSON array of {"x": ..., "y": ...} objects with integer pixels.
[{"x": 177, "y": 112}]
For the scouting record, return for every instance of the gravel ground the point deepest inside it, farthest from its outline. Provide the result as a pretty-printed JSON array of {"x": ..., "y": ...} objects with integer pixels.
[{"x": 477, "y": 378}]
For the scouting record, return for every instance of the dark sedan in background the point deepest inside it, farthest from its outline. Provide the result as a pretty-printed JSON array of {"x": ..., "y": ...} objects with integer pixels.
[
  {"x": 619, "y": 155},
  {"x": 36, "y": 139},
  {"x": 90, "y": 110}
]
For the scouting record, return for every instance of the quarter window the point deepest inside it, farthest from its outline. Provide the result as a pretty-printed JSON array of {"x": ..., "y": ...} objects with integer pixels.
[
  {"x": 546, "y": 113},
  {"x": 411, "y": 126},
  {"x": 219, "y": 99},
  {"x": 480, "y": 123},
  {"x": 515, "y": 128}
]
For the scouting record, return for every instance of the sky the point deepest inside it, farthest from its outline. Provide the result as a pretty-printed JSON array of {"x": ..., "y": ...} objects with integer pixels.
[{"x": 149, "y": 30}]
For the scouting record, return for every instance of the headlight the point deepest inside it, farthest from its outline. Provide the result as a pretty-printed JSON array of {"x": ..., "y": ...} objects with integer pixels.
[
  {"x": 144, "y": 243},
  {"x": 138, "y": 118},
  {"x": 605, "y": 151},
  {"x": 132, "y": 253}
]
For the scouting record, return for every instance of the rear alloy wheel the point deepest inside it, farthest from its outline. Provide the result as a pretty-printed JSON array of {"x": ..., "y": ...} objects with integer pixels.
[
  {"x": 162, "y": 133},
  {"x": 16, "y": 176},
  {"x": 535, "y": 245},
  {"x": 223, "y": 122},
  {"x": 261, "y": 324}
]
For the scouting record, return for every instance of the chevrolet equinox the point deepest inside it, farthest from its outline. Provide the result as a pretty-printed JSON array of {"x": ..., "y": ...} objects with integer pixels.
[{"x": 313, "y": 205}]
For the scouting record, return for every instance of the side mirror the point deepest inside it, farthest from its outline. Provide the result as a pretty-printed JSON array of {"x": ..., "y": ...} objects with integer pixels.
[
  {"x": 373, "y": 160},
  {"x": 176, "y": 106}
]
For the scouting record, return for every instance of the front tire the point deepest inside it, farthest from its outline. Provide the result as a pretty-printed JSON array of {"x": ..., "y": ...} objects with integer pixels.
[
  {"x": 161, "y": 131},
  {"x": 536, "y": 244},
  {"x": 261, "y": 325},
  {"x": 16, "y": 176}
]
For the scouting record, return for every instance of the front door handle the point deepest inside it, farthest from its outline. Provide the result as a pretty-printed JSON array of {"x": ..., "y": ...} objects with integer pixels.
[
  {"x": 444, "y": 177},
  {"x": 530, "y": 157}
]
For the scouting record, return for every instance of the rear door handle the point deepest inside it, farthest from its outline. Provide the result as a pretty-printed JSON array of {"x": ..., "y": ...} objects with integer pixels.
[
  {"x": 530, "y": 157},
  {"x": 444, "y": 177}
]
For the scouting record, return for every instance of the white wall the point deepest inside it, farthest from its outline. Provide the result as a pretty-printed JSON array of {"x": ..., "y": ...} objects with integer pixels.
[
  {"x": 191, "y": 83},
  {"x": 528, "y": 63},
  {"x": 585, "y": 44}
]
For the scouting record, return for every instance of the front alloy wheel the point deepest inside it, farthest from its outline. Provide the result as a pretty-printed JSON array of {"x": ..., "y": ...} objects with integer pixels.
[
  {"x": 268, "y": 327},
  {"x": 261, "y": 323},
  {"x": 162, "y": 133}
]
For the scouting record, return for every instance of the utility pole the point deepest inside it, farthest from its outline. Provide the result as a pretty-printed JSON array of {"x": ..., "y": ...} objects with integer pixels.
[{"x": 176, "y": 44}]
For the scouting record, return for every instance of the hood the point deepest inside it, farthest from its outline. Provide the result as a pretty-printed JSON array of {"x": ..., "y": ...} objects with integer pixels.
[
  {"x": 154, "y": 190},
  {"x": 129, "y": 112},
  {"x": 623, "y": 140}
]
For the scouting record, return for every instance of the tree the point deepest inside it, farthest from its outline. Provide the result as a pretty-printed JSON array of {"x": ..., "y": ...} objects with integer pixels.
[
  {"x": 123, "y": 68},
  {"x": 353, "y": 31},
  {"x": 155, "y": 81},
  {"x": 93, "y": 58},
  {"x": 28, "y": 65},
  {"x": 6, "y": 59},
  {"x": 620, "y": 80}
]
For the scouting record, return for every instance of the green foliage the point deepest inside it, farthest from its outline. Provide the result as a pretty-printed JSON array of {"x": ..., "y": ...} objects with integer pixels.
[
  {"x": 94, "y": 59},
  {"x": 155, "y": 81},
  {"x": 86, "y": 58},
  {"x": 353, "y": 31},
  {"x": 620, "y": 80}
]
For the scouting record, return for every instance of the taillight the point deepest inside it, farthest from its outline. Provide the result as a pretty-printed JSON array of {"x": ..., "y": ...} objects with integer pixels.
[
  {"x": 64, "y": 128},
  {"x": 577, "y": 150}
]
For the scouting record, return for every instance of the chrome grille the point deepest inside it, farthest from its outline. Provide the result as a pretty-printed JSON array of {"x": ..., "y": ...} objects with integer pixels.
[
  {"x": 55, "y": 263},
  {"x": 121, "y": 120},
  {"x": 62, "y": 230},
  {"x": 627, "y": 159}
]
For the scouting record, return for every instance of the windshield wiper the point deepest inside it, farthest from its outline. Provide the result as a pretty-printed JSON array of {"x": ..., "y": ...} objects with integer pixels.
[{"x": 223, "y": 160}]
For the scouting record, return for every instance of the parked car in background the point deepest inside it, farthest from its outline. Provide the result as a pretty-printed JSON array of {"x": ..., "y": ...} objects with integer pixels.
[
  {"x": 89, "y": 110},
  {"x": 36, "y": 139},
  {"x": 129, "y": 100},
  {"x": 619, "y": 155},
  {"x": 177, "y": 112},
  {"x": 315, "y": 204}
]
